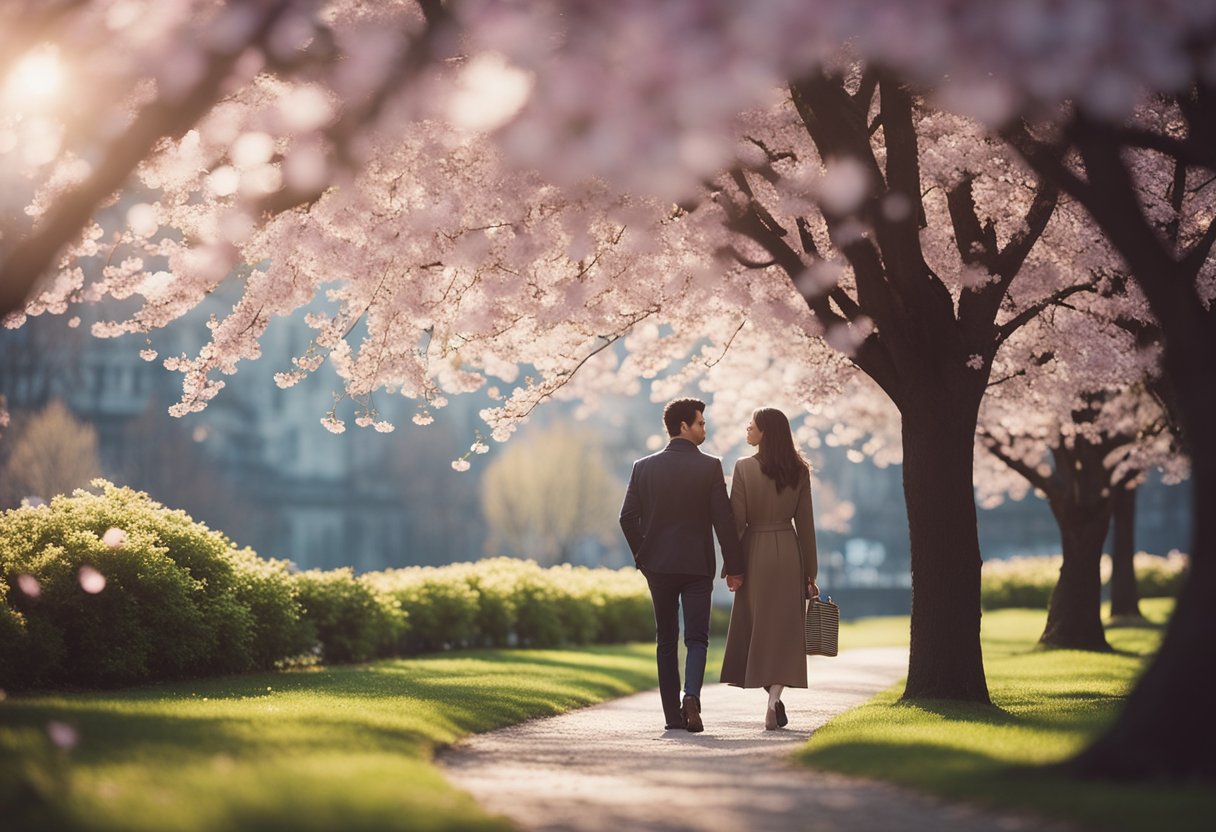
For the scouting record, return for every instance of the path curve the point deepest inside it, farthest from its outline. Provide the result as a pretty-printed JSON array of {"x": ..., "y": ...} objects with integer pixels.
[{"x": 613, "y": 766}]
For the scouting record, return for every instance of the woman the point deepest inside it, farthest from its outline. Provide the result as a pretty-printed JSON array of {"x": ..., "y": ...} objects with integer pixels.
[{"x": 764, "y": 645}]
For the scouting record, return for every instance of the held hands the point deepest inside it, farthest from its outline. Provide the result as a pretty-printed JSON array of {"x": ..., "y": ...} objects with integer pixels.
[
  {"x": 812, "y": 589},
  {"x": 734, "y": 582}
]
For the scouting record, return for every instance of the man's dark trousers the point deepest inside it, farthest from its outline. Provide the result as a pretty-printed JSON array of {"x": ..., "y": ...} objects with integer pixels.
[{"x": 693, "y": 593}]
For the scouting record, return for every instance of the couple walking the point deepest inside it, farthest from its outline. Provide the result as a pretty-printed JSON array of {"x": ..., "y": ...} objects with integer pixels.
[{"x": 675, "y": 497}]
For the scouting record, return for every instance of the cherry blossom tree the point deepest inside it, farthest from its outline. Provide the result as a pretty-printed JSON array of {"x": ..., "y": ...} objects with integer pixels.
[{"x": 1071, "y": 415}]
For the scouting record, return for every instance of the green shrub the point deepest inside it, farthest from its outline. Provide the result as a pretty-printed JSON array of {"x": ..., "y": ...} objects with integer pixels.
[
  {"x": 493, "y": 581},
  {"x": 442, "y": 607},
  {"x": 627, "y": 613},
  {"x": 1019, "y": 581},
  {"x": 181, "y": 600},
  {"x": 13, "y": 638},
  {"x": 537, "y": 622},
  {"x": 148, "y": 622},
  {"x": 1160, "y": 577},
  {"x": 352, "y": 620},
  {"x": 280, "y": 629},
  {"x": 178, "y": 599},
  {"x": 1028, "y": 581},
  {"x": 500, "y": 601}
]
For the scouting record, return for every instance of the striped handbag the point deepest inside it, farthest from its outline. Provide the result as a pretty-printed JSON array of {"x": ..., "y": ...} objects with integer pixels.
[{"x": 822, "y": 627}]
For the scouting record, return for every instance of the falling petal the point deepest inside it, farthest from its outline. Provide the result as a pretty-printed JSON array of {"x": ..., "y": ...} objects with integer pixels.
[
  {"x": 29, "y": 585},
  {"x": 62, "y": 735},
  {"x": 114, "y": 538},
  {"x": 91, "y": 581}
]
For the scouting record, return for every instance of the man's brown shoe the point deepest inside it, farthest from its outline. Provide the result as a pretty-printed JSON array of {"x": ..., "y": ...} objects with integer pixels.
[{"x": 692, "y": 715}]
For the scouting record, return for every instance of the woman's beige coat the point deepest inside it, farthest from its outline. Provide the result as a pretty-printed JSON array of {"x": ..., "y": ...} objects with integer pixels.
[{"x": 764, "y": 645}]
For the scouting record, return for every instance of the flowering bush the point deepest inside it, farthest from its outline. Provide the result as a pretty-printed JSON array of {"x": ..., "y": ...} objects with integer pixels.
[{"x": 1028, "y": 581}]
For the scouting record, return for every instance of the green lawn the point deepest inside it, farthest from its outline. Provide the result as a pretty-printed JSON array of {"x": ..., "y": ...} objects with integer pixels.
[
  {"x": 337, "y": 748},
  {"x": 1047, "y": 705}
]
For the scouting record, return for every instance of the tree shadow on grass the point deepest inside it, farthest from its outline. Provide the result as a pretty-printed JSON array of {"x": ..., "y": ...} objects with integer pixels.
[
  {"x": 956, "y": 711},
  {"x": 1048, "y": 790}
]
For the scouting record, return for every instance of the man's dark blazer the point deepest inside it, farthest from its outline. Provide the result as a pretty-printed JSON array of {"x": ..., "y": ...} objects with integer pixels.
[{"x": 675, "y": 501}]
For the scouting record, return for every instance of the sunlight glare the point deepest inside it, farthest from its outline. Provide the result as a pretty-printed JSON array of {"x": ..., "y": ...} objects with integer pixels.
[{"x": 36, "y": 78}]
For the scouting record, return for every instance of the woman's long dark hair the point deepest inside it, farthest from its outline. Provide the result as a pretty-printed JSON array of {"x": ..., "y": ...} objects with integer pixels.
[{"x": 779, "y": 459}]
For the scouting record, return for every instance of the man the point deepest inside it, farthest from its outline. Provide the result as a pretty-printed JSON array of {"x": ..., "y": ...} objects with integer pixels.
[{"x": 674, "y": 499}]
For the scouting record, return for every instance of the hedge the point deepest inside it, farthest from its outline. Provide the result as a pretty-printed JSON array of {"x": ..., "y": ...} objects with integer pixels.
[
  {"x": 1028, "y": 581},
  {"x": 170, "y": 598},
  {"x": 180, "y": 600}
]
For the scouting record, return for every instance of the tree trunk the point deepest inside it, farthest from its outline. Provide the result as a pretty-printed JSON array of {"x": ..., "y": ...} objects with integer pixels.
[
  {"x": 1080, "y": 499},
  {"x": 1074, "y": 616},
  {"x": 1124, "y": 594},
  {"x": 1168, "y": 726},
  {"x": 946, "y": 661}
]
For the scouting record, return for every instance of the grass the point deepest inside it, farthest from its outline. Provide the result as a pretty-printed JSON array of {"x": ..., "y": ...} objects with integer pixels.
[
  {"x": 346, "y": 747},
  {"x": 877, "y": 631},
  {"x": 1047, "y": 704}
]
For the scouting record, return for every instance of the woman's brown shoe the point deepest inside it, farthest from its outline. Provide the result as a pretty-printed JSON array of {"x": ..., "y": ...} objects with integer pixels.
[{"x": 782, "y": 719}]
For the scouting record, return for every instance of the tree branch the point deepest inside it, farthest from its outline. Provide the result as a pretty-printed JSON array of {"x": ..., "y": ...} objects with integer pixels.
[
  {"x": 976, "y": 244},
  {"x": 1047, "y": 161},
  {"x": 1015, "y": 252},
  {"x": 1032, "y": 476},
  {"x": 32, "y": 256},
  {"x": 1187, "y": 150},
  {"x": 1198, "y": 255},
  {"x": 1031, "y": 312}
]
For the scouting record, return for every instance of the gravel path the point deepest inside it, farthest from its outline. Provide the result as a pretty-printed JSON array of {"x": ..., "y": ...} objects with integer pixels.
[{"x": 614, "y": 767}]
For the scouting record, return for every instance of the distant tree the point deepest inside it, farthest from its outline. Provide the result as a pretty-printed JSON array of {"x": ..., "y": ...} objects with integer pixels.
[
  {"x": 1124, "y": 594},
  {"x": 53, "y": 454},
  {"x": 547, "y": 492},
  {"x": 1074, "y": 415},
  {"x": 169, "y": 462}
]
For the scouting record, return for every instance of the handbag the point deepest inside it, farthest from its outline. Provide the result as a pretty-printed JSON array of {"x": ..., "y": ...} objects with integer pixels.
[{"x": 822, "y": 627}]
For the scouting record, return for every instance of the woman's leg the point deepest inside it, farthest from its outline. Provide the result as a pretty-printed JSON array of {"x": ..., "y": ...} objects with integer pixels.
[{"x": 774, "y": 694}]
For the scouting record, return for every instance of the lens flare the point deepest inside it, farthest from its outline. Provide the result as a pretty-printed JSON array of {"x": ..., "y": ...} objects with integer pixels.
[{"x": 36, "y": 79}]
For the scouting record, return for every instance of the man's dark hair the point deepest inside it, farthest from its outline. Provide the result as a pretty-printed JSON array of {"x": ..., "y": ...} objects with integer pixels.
[{"x": 681, "y": 410}]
